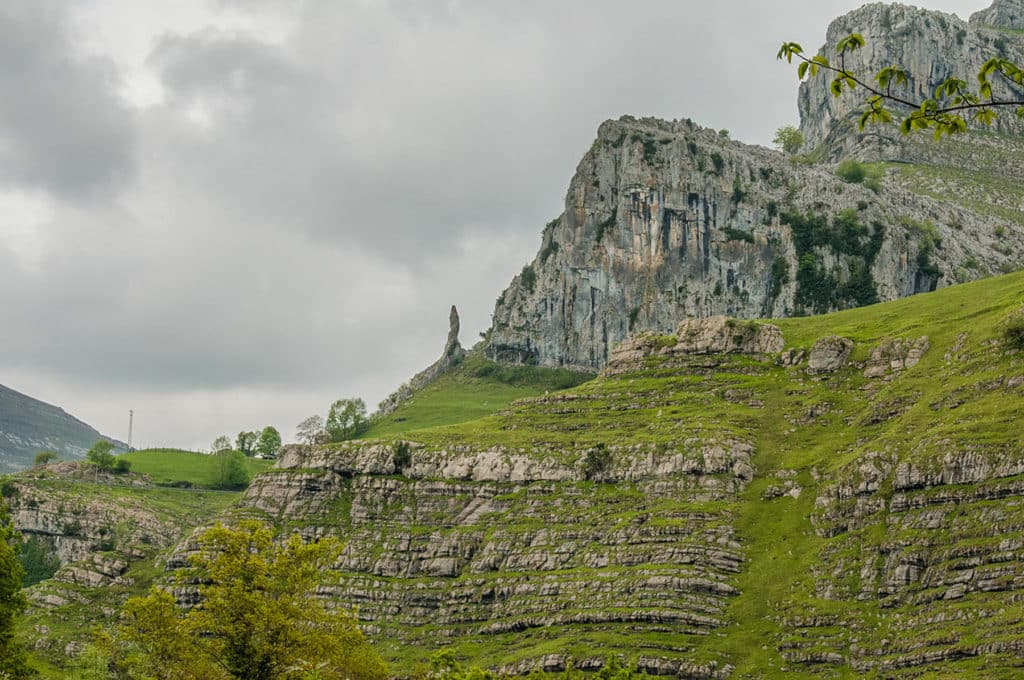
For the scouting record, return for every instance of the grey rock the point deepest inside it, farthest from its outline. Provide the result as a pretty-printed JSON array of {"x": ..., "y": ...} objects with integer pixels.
[
  {"x": 452, "y": 356},
  {"x": 667, "y": 220},
  {"x": 829, "y": 354},
  {"x": 1002, "y": 14},
  {"x": 892, "y": 355}
]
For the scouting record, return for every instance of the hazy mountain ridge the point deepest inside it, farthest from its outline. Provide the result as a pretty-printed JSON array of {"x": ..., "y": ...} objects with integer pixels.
[{"x": 28, "y": 426}]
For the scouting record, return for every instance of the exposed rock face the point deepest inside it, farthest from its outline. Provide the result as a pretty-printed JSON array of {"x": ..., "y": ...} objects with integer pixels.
[
  {"x": 498, "y": 542},
  {"x": 829, "y": 354},
  {"x": 930, "y": 45},
  {"x": 1002, "y": 14},
  {"x": 715, "y": 335},
  {"x": 895, "y": 354},
  {"x": 452, "y": 355},
  {"x": 666, "y": 220}
]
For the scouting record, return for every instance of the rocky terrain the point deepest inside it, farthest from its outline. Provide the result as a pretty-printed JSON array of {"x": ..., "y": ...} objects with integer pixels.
[
  {"x": 931, "y": 46},
  {"x": 665, "y": 219},
  {"x": 735, "y": 499},
  {"x": 28, "y": 426},
  {"x": 106, "y": 534}
]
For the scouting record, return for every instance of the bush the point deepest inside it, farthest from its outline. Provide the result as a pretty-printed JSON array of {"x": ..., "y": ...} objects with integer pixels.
[
  {"x": 528, "y": 278},
  {"x": 231, "y": 473},
  {"x": 597, "y": 462},
  {"x": 38, "y": 560},
  {"x": 402, "y": 454},
  {"x": 44, "y": 457},
  {"x": 856, "y": 172},
  {"x": 1013, "y": 333}
]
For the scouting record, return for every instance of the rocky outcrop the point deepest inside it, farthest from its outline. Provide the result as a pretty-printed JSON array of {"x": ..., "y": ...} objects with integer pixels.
[
  {"x": 498, "y": 542},
  {"x": 930, "y": 45},
  {"x": 715, "y": 335},
  {"x": 1002, "y": 14},
  {"x": 667, "y": 220},
  {"x": 829, "y": 354},
  {"x": 895, "y": 354},
  {"x": 452, "y": 356}
]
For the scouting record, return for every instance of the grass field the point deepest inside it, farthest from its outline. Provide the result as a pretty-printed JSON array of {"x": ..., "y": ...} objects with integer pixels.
[
  {"x": 477, "y": 388},
  {"x": 168, "y": 467}
]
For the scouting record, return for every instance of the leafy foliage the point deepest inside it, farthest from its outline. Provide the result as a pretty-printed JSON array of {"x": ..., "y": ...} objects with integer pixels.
[
  {"x": 101, "y": 455},
  {"x": 1013, "y": 332},
  {"x": 246, "y": 442},
  {"x": 528, "y": 278},
  {"x": 12, "y": 602},
  {"x": 953, "y": 106},
  {"x": 38, "y": 561},
  {"x": 44, "y": 457},
  {"x": 221, "y": 443},
  {"x": 260, "y": 616},
  {"x": 269, "y": 442},
  {"x": 231, "y": 472},
  {"x": 788, "y": 139},
  {"x": 346, "y": 420}
]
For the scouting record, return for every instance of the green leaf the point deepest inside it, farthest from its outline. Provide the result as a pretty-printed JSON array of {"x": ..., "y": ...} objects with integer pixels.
[{"x": 801, "y": 70}]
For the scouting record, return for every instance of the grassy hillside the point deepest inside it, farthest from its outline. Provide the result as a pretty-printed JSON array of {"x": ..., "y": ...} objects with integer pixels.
[
  {"x": 173, "y": 467},
  {"x": 475, "y": 389},
  {"x": 876, "y": 535}
]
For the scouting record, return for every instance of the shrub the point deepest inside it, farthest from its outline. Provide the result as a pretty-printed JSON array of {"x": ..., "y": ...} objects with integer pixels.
[
  {"x": 718, "y": 161},
  {"x": 597, "y": 461},
  {"x": 737, "y": 235},
  {"x": 1013, "y": 333},
  {"x": 528, "y": 278},
  {"x": 402, "y": 454}
]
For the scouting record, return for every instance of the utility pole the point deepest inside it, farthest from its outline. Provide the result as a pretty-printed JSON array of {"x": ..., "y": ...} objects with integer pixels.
[{"x": 131, "y": 422}]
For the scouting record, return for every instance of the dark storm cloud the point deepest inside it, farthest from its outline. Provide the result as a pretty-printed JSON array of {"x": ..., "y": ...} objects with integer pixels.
[{"x": 62, "y": 127}]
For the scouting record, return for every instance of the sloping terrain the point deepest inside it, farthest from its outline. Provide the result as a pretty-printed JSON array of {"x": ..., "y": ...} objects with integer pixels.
[
  {"x": 28, "y": 426},
  {"x": 730, "y": 501},
  {"x": 107, "y": 538},
  {"x": 472, "y": 389}
]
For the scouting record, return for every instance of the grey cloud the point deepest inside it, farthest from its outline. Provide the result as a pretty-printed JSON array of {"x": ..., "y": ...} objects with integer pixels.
[
  {"x": 383, "y": 162},
  {"x": 62, "y": 126}
]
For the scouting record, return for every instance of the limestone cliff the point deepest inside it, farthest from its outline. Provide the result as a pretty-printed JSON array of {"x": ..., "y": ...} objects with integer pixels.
[
  {"x": 930, "y": 45},
  {"x": 823, "y": 497},
  {"x": 667, "y": 220}
]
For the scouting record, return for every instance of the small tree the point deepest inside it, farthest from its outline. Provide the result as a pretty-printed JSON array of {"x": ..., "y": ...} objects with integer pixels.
[
  {"x": 246, "y": 442},
  {"x": 221, "y": 443},
  {"x": 788, "y": 139},
  {"x": 310, "y": 430},
  {"x": 101, "y": 455},
  {"x": 269, "y": 442},
  {"x": 260, "y": 617},
  {"x": 231, "y": 472},
  {"x": 12, "y": 602},
  {"x": 44, "y": 457},
  {"x": 346, "y": 419}
]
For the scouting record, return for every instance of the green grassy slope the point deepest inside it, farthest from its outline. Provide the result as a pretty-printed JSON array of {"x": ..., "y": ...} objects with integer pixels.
[
  {"x": 169, "y": 467},
  {"x": 474, "y": 389},
  {"x": 858, "y": 573}
]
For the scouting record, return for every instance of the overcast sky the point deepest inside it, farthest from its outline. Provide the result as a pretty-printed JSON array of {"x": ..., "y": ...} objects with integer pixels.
[{"x": 228, "y": 213}]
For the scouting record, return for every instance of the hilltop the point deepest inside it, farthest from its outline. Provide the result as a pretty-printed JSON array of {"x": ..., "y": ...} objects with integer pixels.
[{"x": 28, "y": 426}]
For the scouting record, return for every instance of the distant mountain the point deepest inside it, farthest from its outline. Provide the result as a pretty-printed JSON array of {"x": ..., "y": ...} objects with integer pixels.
[{"x": 28, "y": 426}]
